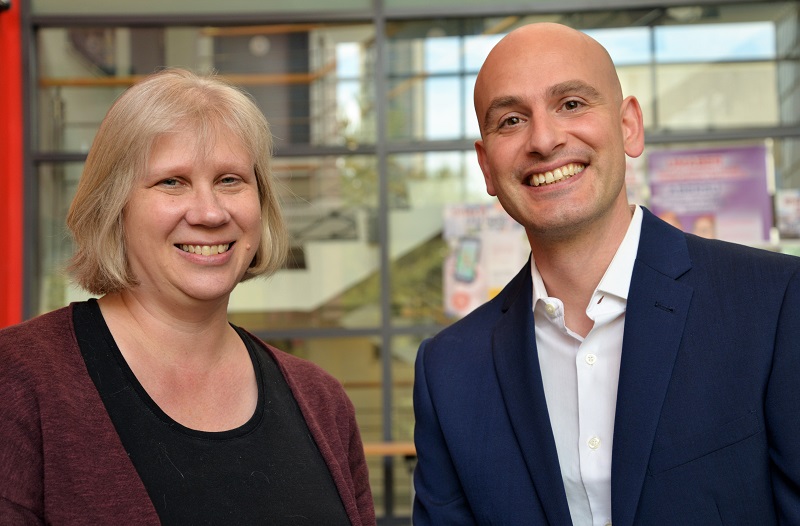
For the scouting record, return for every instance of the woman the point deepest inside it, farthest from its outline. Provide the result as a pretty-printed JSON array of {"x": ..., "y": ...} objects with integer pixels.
[{"x": 146, "y": 405}]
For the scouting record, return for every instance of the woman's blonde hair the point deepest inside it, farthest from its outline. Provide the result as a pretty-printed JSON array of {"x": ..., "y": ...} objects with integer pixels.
[{"x": 161, "y": 103}]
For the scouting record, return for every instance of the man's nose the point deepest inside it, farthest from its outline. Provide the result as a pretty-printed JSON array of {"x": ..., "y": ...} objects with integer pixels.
[{"x": 545, "y": 134}]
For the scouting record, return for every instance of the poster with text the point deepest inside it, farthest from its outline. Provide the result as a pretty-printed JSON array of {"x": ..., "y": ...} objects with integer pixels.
[
  {"x": 486, "y": 249},
  {"x": 716, "y": 193},
  {"x": 787, "y": 204}
]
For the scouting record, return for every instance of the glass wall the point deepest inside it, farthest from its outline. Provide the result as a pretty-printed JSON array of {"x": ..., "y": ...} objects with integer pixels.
[{"x": 372, "y": 116}]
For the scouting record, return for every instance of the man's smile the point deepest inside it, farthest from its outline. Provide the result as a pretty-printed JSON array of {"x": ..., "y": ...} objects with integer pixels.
[{"x": 557, "y": 175}]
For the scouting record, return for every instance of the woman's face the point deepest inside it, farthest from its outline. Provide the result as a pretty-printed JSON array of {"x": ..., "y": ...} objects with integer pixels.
[{"x": 193, "y": 222}]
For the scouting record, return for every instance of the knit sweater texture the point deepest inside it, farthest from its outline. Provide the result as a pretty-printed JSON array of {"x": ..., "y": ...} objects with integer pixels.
[{"x": 62, "y": 462}]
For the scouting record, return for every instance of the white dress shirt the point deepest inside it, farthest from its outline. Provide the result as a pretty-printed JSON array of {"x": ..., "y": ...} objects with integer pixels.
[{"x": 580, "y": 377}]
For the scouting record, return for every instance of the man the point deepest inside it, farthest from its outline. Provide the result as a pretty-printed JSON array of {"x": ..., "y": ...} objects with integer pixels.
[{"x": 630, "y": 373}]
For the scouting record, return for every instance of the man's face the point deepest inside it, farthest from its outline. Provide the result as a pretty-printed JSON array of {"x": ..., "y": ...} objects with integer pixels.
[{"x": 554, "y": 131}]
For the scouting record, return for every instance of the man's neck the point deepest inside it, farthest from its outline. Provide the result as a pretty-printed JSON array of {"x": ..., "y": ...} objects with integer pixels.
[{"x": 571, "y": 269}]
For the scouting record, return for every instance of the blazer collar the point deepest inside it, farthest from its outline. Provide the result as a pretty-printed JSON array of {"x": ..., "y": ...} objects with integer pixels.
[
  {"x": 517, "y": 368},
  {"x": 654, "y": 321}
]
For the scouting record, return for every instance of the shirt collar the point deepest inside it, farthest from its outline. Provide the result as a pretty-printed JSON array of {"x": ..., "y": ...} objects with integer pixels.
[{"x": 617, "y": 278}]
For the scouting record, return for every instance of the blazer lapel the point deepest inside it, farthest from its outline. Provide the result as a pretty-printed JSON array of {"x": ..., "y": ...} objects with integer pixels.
[
  {"x": 654, "y": 321},
  {"x": 517, "y": 368}
]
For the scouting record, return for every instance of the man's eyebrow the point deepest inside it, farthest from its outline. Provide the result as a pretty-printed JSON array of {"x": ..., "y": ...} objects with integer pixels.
[
  {"x": 575, "y": 87},
  {"x": 499, "y": 103}
]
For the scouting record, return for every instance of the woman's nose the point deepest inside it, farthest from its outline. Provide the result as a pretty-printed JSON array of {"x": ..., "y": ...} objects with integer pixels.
[{"x": 207, "y": 208}]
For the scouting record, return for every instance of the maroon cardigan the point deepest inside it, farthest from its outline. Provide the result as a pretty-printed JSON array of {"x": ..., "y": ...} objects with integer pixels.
[{"x": 62, "y": 462}]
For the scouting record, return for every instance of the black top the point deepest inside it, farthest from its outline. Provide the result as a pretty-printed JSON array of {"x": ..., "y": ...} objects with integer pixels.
[{"x": 269, "y": 470}]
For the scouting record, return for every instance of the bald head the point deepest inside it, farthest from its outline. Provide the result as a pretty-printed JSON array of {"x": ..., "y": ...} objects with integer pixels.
[{"x": 548, "y": 53}]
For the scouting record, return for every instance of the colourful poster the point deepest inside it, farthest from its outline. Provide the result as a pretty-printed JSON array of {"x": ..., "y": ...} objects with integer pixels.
[
  {"x": 787, "y": 204},
  {"x": 486, "y": 249},
  {"x": 716, "y": 193}
]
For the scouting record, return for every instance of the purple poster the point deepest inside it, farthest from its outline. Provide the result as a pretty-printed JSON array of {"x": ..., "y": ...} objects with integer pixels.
[{"x": 717, "y": 193}]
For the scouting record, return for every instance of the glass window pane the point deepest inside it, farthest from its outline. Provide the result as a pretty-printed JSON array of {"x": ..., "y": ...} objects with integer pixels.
[
  {"x": 787, "y": 194},
  {"x": 330, "y": 207},
  {"x": 295, "y": 75},
  {"x": 720, "y": 95},
  {"x": 292, "y": 71},
  {"x": 715, "y": 42},
  {"x": 443, "y": 108},
  {"x": 421, "y": 187},
  {"x": 442, "y": 54},
  {"x": 476, "y": 48},
  {"x": 57, "y": 185},
  {"x": 432, "y": 67},
  {"x": 628, "y": 45},
  {"x": 787, "y": 163},
  {"x": 69, "y": 116},
  {"x": 431, "y": 108},
  {"x": 788, "y": 90},
  {"x": 637, "y": 80},
  {"x": 471, "y": 127}
]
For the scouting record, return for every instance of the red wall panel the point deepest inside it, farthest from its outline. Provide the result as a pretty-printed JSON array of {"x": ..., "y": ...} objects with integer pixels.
[{"x": 11, "y": 172}]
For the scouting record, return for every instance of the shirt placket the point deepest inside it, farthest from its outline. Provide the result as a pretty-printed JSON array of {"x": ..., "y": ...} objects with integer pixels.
[{"x": 596, "y": 410}]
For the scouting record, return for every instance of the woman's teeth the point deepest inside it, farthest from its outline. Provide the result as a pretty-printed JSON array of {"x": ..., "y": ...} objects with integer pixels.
[{"x": 205, "y": 250}]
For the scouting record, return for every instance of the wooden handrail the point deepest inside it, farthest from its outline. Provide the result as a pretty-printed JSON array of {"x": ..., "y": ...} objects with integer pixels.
[
  {"x": 252, "y": 79},
  {"x": 388, "y": 449}
]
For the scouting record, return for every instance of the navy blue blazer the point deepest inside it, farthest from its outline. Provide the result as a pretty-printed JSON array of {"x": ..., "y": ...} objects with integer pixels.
[{"x": 707, "y": 427}]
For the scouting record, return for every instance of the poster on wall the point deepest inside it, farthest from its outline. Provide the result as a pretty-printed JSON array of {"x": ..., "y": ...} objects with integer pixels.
[
  {"x": 635, "y": 182},
  {"x": 717, "y": 193},
  {"x": 486, "y": 249},
  {"x": 787, "y": 204}
]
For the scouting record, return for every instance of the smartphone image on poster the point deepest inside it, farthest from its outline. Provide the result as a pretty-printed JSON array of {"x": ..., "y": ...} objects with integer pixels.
[{"x": 467, "y": 254}]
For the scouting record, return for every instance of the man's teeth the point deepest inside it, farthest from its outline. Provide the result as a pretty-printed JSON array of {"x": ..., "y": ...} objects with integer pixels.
[
  {"x": 559, "y": 174},
  {"x": 205, "y": 250}
]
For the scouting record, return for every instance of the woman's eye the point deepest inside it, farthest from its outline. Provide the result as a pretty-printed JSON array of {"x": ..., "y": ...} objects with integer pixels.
[
  {"x": 229, "y": 180},
  {"x": 169, "y": 182}
]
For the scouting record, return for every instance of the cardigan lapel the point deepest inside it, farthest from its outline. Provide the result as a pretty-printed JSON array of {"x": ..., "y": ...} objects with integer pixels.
[
  {"x": 654, "y": 321},
  {"x": 517, "y": 368}
]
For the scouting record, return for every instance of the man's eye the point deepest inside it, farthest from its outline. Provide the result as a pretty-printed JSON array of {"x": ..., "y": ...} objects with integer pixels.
[
  {"x": 572, "y": 105},
  {"x": 510, "y": 121}
]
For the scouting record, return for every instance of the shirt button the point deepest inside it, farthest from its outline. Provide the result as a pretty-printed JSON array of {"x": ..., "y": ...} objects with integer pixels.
[
  {"x": 594, "y": 443},
  {"x": 550, "y": 309},
  {"x": 591, "y": 358}
]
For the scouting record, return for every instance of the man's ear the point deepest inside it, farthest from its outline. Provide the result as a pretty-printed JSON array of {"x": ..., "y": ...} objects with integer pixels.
[
  {"x": 632, "y": 126},
  {"x": 484, "y": 164}
]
